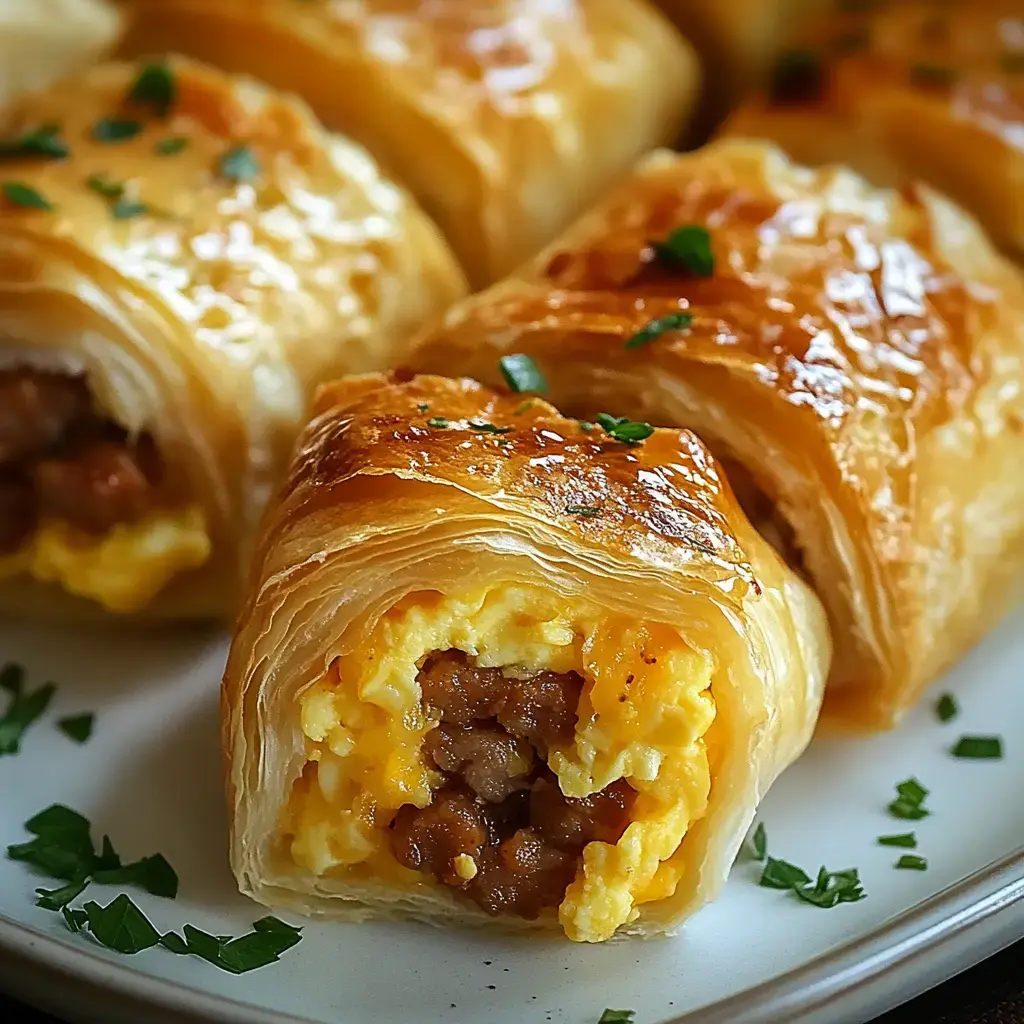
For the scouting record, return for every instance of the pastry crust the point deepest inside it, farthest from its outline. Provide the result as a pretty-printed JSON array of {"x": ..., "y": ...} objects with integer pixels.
[
  {"x": 41, "y": 40},
  {"x": 505, "y": 118},
  {"x": 857, "y": 351},
  {"x": 208, "y": 318},
  {"x": 910, "y": 89},
  {"x": 378, "y": 505}
]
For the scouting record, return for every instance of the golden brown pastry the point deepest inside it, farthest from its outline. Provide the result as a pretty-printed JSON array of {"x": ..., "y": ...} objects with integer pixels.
[
  {"x": 854, "y": 356},
  {"x": 498, "y": 669},
  {"x": 183, "y": 258},
  {"x": 40, "y": 40},
  {"x": 505, "y": 118},
  {"x": 738, "y": 40},
  {"x": 928, "y": 89}
]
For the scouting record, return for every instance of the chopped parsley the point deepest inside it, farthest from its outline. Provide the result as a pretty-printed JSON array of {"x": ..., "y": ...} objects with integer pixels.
[
  {"x": 105, "y": 186},
  {"x": 264, "y": 945},
  {"x": 946, "y": 708},
  {"x": 490, "y": 428},
  {"x": 687, "y": 248},
  {"x": 905, "y": 839},
  {"x": 45, "y": 141},
  {"x": 828, "y": 890},
  {"x": 935, "y": 75},
  {"x": 239, "y": 164},
  {"x": 23, "y": 709},
  {"x": 168, "y": 147},
  {"x": 521, "y": 374},
  {"x": 125, "y": 209},
  {"x": 911, "y": 862},
  {"x": 77, "y": 727},
  {"x": 423, "y": 406},
  {"x": 438, "y": 422},
  {"x": 617, "y": 1017},
  {"x": 797, "y": 76},
  {"x": 760, "y": 842},
  {"x": 154, "y": 86},
  {"x": 979, "y": 748},
  {"x": 62, "y": 848},
  {"x": 587, "y": 511},
  {"x": 625, "y": 430},
  {"x": 656, "y": 328},
  {"x": 909, "y": 802},
  {"x": 115, "y": 129},
  {"x": 19, "y": 194}
]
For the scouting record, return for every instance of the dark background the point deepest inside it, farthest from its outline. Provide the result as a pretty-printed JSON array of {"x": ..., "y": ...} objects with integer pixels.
[{"x": 991, "y": 993}]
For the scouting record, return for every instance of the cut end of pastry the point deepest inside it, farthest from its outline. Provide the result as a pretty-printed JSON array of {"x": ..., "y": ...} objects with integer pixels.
[
  {"x": 83, "y": 504},
  {"x": 507, "y": 750}
]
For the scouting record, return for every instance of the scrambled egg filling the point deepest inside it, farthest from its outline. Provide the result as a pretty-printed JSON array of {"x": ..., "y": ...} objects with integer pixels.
[
  {"x": 122, "y": 570},
  {"x": 365, "y": 726}
]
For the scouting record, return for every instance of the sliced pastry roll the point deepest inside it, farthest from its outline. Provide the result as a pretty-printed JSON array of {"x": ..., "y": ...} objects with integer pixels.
[
  {"x": 496, "y": 667},
  {"x": 903, "y": 89},
  {"x": 41, "y": 40},
  {"x": 505, "y": 118},
  {"x": 853, "y": 355},
  {"x": 182, "y": 259}
]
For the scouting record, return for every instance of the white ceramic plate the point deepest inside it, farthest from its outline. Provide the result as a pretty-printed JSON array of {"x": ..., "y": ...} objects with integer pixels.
[{"x": 150, "y": 778}]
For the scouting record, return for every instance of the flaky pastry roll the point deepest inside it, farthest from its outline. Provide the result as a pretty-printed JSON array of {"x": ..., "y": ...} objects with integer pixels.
[
  {"x": 495, "y": 668},
  {"x": 853, "y": 355},
  {"x": 905, "y": 89},
  {"x": 505, "y": 118},
  {"x": 183, "y": 257},
  {"x": 41, "y": 40}
]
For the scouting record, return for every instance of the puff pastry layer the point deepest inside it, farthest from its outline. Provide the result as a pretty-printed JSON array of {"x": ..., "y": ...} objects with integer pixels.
[
  {"x": 497, "y": 669},
  {"x": 921, "y": 89},
  {"x": 854, "y": 356},
  {"x": 204, "y": 254},
  {"x": 505, "y": 118}
]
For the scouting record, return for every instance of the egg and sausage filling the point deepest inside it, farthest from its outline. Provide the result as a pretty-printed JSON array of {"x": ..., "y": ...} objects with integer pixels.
[
  {"x": 81, "y": 503},
  {"x": 532, "y": 754}
]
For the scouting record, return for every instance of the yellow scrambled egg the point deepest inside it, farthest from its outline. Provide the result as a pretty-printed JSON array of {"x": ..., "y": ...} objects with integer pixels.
[
  {"x": 365, "y": 727},
  {"x": 122, "y": 570}
]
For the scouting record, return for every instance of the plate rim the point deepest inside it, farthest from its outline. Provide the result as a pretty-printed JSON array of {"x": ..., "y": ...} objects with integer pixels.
[{"x": 890, "y": 949}]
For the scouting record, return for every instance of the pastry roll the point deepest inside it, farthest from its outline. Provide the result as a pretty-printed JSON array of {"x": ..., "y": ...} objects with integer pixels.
[
  {"x": 505, "y": 118},
  {"x": 499, "y": 668},
  {"x": 853, "y": 355},
  {"x": 910, "y": 89},
  {"x": 182, "y": 259},
  {"x": 40, "y": 40}
]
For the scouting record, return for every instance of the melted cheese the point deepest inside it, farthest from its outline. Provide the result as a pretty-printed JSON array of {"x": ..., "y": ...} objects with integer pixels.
[
  {"x": 364, "y": 727},
  {"x": 122, "y": 570}
]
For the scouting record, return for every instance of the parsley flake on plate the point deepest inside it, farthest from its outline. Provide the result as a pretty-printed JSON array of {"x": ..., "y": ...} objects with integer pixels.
[
  {"x": 656, "y": 328},
  {"x": 911, "y": 862},
  {"x": 489, "y": 428},
  {"x": 154, "y": 85},
  {"x": 126, "y": 209},
  {"x": 687, "y": 248},
  {"x": 979, "y": 748},
  {"x": 23, "y": 709},
  {"x": 759, "y": 843},
  {"x": 17, "y": 193},
  {"x": 105, "y": 186},
  {"x": 77, "y": 727},
  {"x": 521, "y": 374},
  {"x": 617, "y": 1017},
  {"x": 909, "y": 802},
  {"x": 946, "y": 708},
  {"x": 828, "y": 890},
  {"x": 905, "y": 839},
  {"x": 437, "y": 422},
  {"x": 115, "y": 129},
  {"x": 45, "y": 141},
  {"x": 239, "y": 164},
  {"x": 623, "y": 429},
  {"x": 264, "y": 945},
  {"x": 168, "y": 147}
]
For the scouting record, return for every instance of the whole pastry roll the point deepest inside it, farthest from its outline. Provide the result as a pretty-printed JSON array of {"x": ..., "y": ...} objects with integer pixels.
[
  {"x": 903, "y": 89},
  {"x": 853, "y": 355},
  {"x": 183, "y": 257},
  {"x": 40, "y": 40},
  {"x": 496, "y": 668},
  {"x": 505, "y": 118}
]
